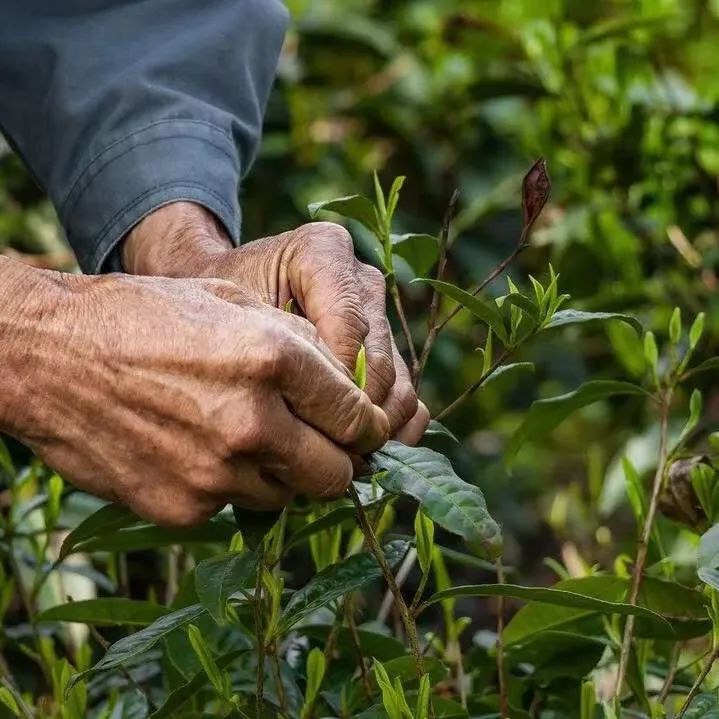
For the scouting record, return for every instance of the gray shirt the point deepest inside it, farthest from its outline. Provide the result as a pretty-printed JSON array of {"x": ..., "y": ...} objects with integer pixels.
[{"x": 120, "y": 106}]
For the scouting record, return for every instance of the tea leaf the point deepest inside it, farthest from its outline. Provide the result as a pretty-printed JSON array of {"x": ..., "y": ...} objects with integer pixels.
[
  {"x": 675, "y": 326},
  {"x": 405, "y": 669},
  {"x": 545, "y": 595},
  {"x": 105, "y": 521},
  {"x": 135, "y": 644},
  {"x": 708, "y": 557},
  {"x": 355, "y": 207},
  {"x": 704, "y": 706},
  {"x": 419, "y": 250},
  {"x": 336, "y": 580},
  {"x": 107, "y": 612},
  {"x": 696, "y": 331},
  {"x": 424, "y": 533},
  {"x": 219, "y": 577},
  {"x": 207, "y": 661},
  {"x": 316, "y": 666},
  {"x": 435, "y": 428},
  {"x": 710, "y": 365},
  {"x": 683, "y": 611},
  {"x": 428, "y": 477},
  {"x": 487, "y": 311},
  {"x": 545, "y": 414},
  {"x": 536, "y": 188},
  {"x": 185, "y": 692},
  {"x": 571, "y": 317},
  {"x": 360, "y": 375}
]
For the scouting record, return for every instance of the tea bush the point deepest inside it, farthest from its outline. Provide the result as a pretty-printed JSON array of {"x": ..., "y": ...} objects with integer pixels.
[{"x": 585, "y": 586}]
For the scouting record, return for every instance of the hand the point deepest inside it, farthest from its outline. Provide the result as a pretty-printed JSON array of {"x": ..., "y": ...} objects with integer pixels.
[
  {"x": 315, "y": 266},
  {"x": 176, "y": 397}
]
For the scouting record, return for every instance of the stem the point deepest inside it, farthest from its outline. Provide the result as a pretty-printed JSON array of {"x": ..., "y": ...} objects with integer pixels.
[
  {"x": 347, "y": 610},
  {"x": 402, "y": 573},
  {"x": 418, "y": 594},
  {"x": 699, "y": 681},
  {"x": 24, "y": 708},
  {"x": 260, "y": 633},
  {"x": 278, "y": 680},
  {"x": 474, "y": 387},
  {"x": 669, "y": 680},
  {"x": 397, "y": 299},
  {"x": 643, "y": 546},
  {"x": 407, "y": 619},
  {"x": 503, "y": 701},
  {"x": 498, "y": 270},
  {"x": 432, "y": 323}
]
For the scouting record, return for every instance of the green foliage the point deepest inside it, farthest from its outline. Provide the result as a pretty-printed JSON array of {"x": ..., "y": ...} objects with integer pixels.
[{"x": 619, "y": 98}]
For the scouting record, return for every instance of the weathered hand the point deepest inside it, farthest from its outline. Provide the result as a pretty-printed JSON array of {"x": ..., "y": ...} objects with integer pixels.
[
  {"x": 176, "y": 396},
  {"x": 315, "y": 266}
]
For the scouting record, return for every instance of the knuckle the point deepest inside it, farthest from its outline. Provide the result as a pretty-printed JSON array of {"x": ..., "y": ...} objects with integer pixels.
[
  {"x": 406, "y": 404},
  {"x": 251, "y": 434},
  {"x": 381, "y": 370},
  {"x": 184, "y": 513},
  {"x": 353, "y": 416},
  {"x": 374, "y": 278}
]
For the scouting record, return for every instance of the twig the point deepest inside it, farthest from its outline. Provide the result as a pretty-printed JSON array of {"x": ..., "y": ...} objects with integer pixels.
[
  {"x": 432, "y": 324},
  {"x": 397, "y": 299},
  {"x": 123, "y": 669},
  {"x": 503, "y": 701},
  {"x": 476, "y": 385},
  {"x": 407, "y": 620},
  {"x": 498, "y": 270},
  {"x": 347, "y": 610},
  {"x": 643, "y": 546},
  {"x": 699, "y": 681},
  {"x": 278, "y": 680},
  {"x": 402, "y": 573},
  {"x": 260, "y": 633},
  {"x": 669, "y": 679}
]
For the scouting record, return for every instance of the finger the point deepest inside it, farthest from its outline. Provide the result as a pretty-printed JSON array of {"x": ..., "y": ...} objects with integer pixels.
[
  {"x": 258, "y": 490},
  {"x": 323, "y": 279},
  {"x": 413, "y": 431},
  {"x": 381, "y": 373},
  {"x": 304, "y": 460},
  {"x": 401, "y": 403},
  {"x": 327, "y": 399}
]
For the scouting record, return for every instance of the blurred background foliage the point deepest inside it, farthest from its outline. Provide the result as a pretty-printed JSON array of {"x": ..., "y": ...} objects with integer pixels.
[{"x": 622, "y": 99}]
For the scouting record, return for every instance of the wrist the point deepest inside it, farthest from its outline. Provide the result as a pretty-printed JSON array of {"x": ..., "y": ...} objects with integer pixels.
[{"x": 180, "y": 239}]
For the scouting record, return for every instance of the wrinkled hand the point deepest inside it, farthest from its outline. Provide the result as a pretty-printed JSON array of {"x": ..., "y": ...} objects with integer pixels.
[
  {"x": 175, "y": 397},
  {"x": 315, "y": 266}
]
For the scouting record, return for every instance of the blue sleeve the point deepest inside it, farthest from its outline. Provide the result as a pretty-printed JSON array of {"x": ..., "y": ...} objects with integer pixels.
[{"x": 120, "y": 106}]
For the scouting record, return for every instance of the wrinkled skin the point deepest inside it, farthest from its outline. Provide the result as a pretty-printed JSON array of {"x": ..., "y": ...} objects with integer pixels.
[
  {"x": 315, "y": 266},
  {"x": 176, "y": 396}
]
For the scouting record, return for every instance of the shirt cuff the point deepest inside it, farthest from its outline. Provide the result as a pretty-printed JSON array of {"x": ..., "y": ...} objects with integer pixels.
[{"x": 167, "y": 161}]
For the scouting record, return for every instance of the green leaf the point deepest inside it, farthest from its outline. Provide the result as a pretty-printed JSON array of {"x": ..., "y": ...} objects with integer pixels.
[
  {"x": 517, "y": 299},
  {"x": 405, "y": 668},
  {"x": 127, "y": 648},
  {"x": 675, "y": 326},
  {"x": 428, "y": 477},
  {"x": 710, "y": 365},
  {"x": 435, "y": 428},
  {"x": 572, "y": 317},
  {"x": 355, "y": 207},
  {"x": 507, "y": 369},
  {"x": 335, "y": 581},
  {"x": 360, "y": 375},
  {"x": 708, "y": 557},
  {"x": 696, "y": 331},
  {"x": 207, "y": 661},
  {"x": 545, "y": 595},
  {"x": 424, "y": 532},
  {"x": 111, "y": 611},
  {"x": 373, "y": 643},
  {"x": 219, "y": 577},
  {"x": 105, "y": 521},
  {"x": 8, "y": 700},
  {"x": 684, "y": 609},
  {"x": 704, "y": 706},
  {"x": 316, "y": 666},
  {"x": 184, "y": 693},
  {"x": 545, "y": 414},
  {"x": 419, "y": 250},
  {"x": 488, "y": 312}
]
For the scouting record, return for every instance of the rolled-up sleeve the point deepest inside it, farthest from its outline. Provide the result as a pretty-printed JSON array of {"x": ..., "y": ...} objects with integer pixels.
[{"x": 118, "y": 108}]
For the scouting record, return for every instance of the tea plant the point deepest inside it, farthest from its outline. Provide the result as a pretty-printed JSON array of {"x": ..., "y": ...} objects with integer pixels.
[{"x": 237, "y": 633}]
